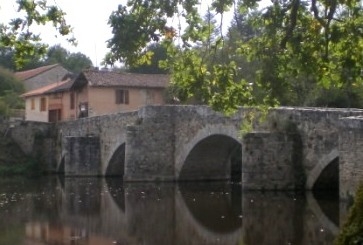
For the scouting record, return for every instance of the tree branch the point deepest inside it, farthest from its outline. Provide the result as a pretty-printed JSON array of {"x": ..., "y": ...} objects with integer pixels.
[{"x": 293, "y": 19}]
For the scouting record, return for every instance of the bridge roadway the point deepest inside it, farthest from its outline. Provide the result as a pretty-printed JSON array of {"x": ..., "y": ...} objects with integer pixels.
[{"x": 294, "y": 148}]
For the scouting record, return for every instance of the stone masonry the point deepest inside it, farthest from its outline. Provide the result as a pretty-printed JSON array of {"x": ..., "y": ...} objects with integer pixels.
[
  {"x": 350, "y": 156},
  {"x": 290, "y": 150}
]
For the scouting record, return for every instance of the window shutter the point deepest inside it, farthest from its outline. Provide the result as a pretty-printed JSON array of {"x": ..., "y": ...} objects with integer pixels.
[
  {"x": 72, "y": 100},
  {"x": 126, "y": 97},
  {"x": 117, "y": 96}
]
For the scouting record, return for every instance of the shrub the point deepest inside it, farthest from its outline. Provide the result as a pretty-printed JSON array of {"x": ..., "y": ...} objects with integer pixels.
[{"x": 352, "y": 231}]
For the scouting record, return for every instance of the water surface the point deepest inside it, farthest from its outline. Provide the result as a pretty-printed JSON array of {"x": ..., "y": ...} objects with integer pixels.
[{"x": 96, "y": 211}]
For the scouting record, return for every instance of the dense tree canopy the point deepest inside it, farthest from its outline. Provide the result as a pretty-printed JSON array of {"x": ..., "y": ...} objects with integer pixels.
[
  {"x": 295, "y": 50},
  {"x": 152, "y": 66},
  {"x": 74, "y": 62}
]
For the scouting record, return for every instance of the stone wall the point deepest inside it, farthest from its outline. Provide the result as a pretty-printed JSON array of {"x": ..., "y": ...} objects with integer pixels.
[
  {"x": 109, "y": 129},
  {"x": 158, "y": 143},
  {"x": 199, "y": 126},
  {"x": 319, "y": 131},
  {"x": 82, "y": 155},
  {"x": 269, "y": 162},
  {"x": 351, "y": 156},
  {"x": 35, "y": 140},
  {"x": 150, "y": 145}
]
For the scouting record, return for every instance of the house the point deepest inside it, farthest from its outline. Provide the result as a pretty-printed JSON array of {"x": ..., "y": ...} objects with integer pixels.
[
  {"x": 48, "y": 103},
  {"x": 41, "y": 76},
  {"x": 104, "y": 92},
  {"x": 93, "y": 93}
]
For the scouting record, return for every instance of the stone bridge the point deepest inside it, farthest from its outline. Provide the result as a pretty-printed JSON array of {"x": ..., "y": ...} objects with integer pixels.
[{"x": 294, "y": 148}]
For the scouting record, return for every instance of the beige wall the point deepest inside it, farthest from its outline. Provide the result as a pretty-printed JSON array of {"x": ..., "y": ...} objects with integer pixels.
[
  {"x": 62, "y": 101},
  {"x": 100, "y": 101},
  {"x": 35, "y": 114},
  {"x": 103, "y": 100},
  {"x": 67, "y": 112}
]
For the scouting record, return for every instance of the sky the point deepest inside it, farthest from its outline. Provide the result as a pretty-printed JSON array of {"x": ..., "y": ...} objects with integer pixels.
[{"x": 88, "y": 19}]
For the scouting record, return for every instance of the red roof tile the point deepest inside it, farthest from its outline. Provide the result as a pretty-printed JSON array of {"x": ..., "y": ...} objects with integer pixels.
[
  {"x": 24, "y": 75},
  {"x": 51, "y": 88}
]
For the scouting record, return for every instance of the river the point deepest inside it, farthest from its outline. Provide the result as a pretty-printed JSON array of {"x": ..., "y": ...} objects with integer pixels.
[{"x": 97, "y": 211}]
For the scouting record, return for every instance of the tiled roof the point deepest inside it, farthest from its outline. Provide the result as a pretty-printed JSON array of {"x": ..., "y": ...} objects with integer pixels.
[
  {"x": 51, "y": 88},
  {"x": 24, "y": 75},
  {"x": 110, "y": 79}
]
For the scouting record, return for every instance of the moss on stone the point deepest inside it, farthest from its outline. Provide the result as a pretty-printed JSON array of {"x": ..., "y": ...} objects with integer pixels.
[
  {"x": 352, "y": 231},
  {"x": 10, "y": 152},
  {"x": 13, "y": 161}
]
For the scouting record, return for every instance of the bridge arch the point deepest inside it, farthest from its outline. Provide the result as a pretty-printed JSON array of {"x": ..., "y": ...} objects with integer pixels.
[
  {"x": 327, "y": 159},
  {"x": 207, "y": 156},
  {"x": 200, "y": 232},
  {"x": 116, "y": 163},
  {"x": 321, "y": 216}
]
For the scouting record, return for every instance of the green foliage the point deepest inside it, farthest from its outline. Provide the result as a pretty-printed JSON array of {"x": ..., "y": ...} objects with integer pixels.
[
  {"x": 133, "y": 30},
  {"x": 151, "y": 66},
  {"x": 352, "y": 232},
  {"x": 74, "y": 62},
  {"x": 30, "y": 168},
  {"x": 4, "y": 109},
  {"x": 10, "y": 89},
  {"x": 6, "y": 58},
  {"x": 18, "y": 35},
  {"x": 12, "y": 234},
  {"x": 287, "y": 53},
  {"x": 8, "y": 82}
]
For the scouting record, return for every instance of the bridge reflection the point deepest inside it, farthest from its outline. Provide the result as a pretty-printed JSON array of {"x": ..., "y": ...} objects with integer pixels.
[{"x": 98, "y": 211}]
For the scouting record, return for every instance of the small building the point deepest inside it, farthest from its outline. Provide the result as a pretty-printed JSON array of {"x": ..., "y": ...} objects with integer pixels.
[
  {"x": 50, "y": 103},
  {"x": 104, "y": 92},
  {"x": 94, "y": 93},
  {"x": 41, "y": 76}
]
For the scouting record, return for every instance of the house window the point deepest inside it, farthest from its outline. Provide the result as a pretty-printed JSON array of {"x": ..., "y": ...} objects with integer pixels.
[
  {"x": 32, "y": 104},
  {"x": 73, "y": 102},
  {"x": 57, "y": 96},
  {"x": 83, "y": 109},
  {"x": 122, "y": 96},
  {"x": 43, "y": 104}
]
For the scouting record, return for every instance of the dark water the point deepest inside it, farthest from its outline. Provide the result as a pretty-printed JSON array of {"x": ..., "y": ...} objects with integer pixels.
[{"x": 95, "y": 211}]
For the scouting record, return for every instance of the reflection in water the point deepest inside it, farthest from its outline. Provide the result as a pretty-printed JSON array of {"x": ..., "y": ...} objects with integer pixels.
[
  {"x": 327, "y": 202},
  {"x": 91, "y": 211},
  {"x": 217, "y": 206}
]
